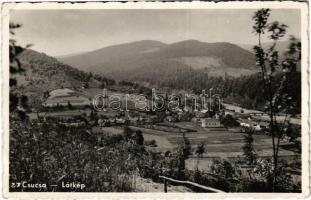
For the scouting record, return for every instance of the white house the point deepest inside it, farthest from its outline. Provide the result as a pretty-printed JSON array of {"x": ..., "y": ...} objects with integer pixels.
[
  {"x": 210, "y": 123},
  {"x": 250, "y": 124}
]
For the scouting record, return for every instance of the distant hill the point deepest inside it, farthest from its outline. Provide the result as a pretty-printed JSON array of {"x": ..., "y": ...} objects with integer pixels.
[
  {"x": 44, "y": 73},
  {"x": 281, "y": 47},
  {"x": 100, "y": 60},
  {"x": 151, "y": 61}
]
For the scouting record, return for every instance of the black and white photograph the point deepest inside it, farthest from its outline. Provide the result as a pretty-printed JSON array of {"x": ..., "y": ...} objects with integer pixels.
[{"x": 170, "y": 99}]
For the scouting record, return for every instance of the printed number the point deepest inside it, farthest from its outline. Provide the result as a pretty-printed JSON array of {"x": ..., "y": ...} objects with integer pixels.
[{"x": 15, "y": 185}]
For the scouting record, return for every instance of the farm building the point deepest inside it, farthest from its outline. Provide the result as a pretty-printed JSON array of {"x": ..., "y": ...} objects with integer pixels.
[
  {"x": 229, "y": 112},
  {"x": 257, "y": 126},
  {"x": 196, "y": 119},
  {"x": 170, "y": 118},
  {"x": 210, "y": 123},
  {"x": 120, "y": 120},
  {"x": 64, "y": 96},
  {"x": 201, "y": 114},
  {"x": 264, "y": 124}
]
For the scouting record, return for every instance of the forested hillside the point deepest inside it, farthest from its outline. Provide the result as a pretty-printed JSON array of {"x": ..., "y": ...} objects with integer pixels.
[
  {"x": 246, "y": 91},
  {"x": 43, "y": 73},
  {"x": 152, "y": 61}
]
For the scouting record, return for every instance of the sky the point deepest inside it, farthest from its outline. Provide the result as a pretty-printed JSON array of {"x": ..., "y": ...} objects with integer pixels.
[{"x": 64, "y": 32}]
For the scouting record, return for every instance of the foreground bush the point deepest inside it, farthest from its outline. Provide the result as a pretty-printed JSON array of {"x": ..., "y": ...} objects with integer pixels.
[{"x": 52, "y": 153}]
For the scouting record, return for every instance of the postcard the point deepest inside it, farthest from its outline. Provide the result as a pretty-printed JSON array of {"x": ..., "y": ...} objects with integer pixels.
[{"x": 155, "y": 100}]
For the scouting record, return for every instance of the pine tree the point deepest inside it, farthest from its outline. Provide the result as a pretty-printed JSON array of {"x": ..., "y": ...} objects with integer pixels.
[
  {"x": 183, "y": 153},
  {"x": 200, "y": 150},
  {"x": 139, "y": 137},
  {"x": 18, "y": 103},
  {"x": 248, "y": 148}
]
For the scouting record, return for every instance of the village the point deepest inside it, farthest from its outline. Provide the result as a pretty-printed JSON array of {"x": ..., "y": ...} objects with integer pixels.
[
  {"x": 67, "y": 100},
  {"x": 220, "y": 127},
  {"x": 113, "y": 104}
]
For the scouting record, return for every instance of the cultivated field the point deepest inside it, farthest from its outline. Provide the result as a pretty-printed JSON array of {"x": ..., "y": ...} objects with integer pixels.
[
  {"x": 219, "y": 143},
  {"x": 70, "y": 113}
]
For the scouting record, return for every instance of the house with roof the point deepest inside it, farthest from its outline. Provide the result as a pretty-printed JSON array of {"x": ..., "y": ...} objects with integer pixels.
[
  {"x": 169, "y": 118},
  {"x": 257, "y": 126},
  {"x": 210, "y": 123},
  {"x": 201, "y": 114}
]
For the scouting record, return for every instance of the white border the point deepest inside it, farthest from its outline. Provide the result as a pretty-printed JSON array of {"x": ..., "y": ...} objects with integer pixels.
[{"x": 6, "y": 7}]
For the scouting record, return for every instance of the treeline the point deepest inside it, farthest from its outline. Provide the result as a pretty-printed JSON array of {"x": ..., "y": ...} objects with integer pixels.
[
  {"x": 244, "y": 90},
  {"x": 47, "y": 73},
  {"x": 43, "y": 73},
  {"x": 43, "y": 65}
]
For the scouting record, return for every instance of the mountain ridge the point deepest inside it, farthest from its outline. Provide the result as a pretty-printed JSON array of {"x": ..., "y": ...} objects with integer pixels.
[{"x": 149, "y": 59}]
